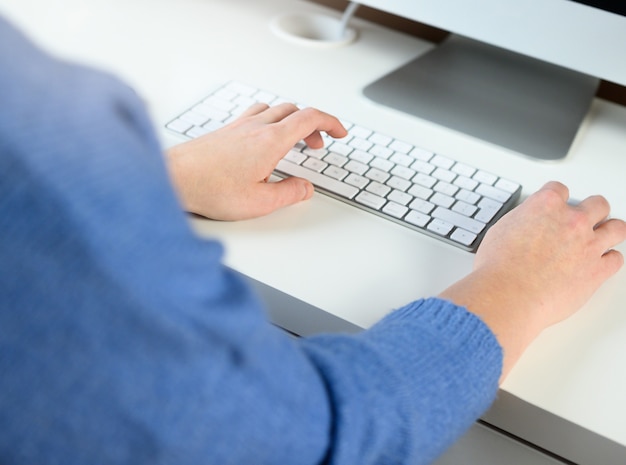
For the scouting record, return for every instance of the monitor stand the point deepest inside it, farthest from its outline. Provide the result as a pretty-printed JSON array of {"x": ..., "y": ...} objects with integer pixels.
[{"x": 529, "y": 106}]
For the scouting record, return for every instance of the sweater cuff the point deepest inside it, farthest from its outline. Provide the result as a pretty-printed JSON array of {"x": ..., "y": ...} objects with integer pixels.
[
  {"x": 450, "y": 333},
  {"x": 455, "y": 322}
]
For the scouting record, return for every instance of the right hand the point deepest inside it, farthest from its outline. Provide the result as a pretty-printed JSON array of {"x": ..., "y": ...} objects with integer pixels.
[
  {"x": 557, "y": 253},
  {"x": 539, "y": 264}
]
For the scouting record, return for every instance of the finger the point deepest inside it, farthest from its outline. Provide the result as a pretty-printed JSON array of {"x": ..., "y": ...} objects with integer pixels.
[
  {"x": 310, "y": 120},
  {"x": 277, "y": 113},
  {"x": 255, "y": 109},
  {"x": 555, "y": 186},
  {"x": 612, "y": 260},
  {"x": 314, "y": 140},
  {"x": 283, "y": 193},
  {"x": 610, "y": 234},
  {"x": 596, "y": 207}
]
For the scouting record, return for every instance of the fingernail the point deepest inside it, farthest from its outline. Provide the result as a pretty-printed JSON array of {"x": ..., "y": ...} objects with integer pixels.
[{"x": 308, "y": 190}]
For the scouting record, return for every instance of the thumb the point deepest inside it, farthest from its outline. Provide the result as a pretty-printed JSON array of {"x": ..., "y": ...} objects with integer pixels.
[{"x": 287, "y": 192}]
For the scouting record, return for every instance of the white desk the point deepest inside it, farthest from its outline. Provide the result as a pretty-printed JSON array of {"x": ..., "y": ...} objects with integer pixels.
[{"x": 174, "y": 52}]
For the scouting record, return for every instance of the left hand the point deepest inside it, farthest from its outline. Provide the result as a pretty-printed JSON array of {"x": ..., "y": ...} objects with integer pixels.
[{"x": 222, "y": 175}]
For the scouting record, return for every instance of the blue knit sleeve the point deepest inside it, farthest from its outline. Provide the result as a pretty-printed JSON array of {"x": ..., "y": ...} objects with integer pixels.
[
  {"x": 405, "y": 390},
  {"x": 124, "y": 339}
]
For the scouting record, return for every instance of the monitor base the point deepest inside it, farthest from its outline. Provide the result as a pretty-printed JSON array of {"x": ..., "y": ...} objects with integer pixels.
[{"x": 513, "y": 101}]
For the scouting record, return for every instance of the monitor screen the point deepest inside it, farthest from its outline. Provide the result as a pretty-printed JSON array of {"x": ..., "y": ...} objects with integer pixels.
[
  {"x": 609, "y": 5},
  {"x": 520, "y": 74}
]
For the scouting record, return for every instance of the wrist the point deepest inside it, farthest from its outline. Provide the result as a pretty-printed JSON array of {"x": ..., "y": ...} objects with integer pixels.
[{"x": 506, "y": 308}]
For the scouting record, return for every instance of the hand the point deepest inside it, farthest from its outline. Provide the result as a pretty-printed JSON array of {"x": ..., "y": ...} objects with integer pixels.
[
  {"x": 222, "y": 175},
  {"x": 539, "y": 264}
]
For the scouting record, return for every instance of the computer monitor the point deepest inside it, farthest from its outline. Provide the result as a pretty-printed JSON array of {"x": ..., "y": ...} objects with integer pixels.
[{"x": 520, "y": 74}]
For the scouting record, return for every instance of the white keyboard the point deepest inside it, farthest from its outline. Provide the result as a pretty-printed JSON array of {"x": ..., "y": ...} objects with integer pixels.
[{"x": 393, "y": 179}]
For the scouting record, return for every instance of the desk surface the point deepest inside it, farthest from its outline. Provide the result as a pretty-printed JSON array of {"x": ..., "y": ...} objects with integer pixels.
[{"x": 174, "y": 52}]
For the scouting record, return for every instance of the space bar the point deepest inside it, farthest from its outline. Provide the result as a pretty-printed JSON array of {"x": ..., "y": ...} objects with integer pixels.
[{"x": 318, "y": 179}]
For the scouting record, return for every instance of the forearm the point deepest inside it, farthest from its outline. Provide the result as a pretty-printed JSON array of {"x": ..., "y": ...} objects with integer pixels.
[
  {"x": 508, "y": 314},
  {"x": 409, "y": 386}
]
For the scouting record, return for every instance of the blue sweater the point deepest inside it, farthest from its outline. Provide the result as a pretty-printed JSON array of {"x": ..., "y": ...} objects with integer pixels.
[{"x": 125, "y": 340}]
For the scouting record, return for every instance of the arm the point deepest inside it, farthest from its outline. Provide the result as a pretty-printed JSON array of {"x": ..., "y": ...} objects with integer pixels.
[
  {"x": 536, "y": 267},
  {"x": 541, "y": 262},
  {"x": 128, "y": 341}
]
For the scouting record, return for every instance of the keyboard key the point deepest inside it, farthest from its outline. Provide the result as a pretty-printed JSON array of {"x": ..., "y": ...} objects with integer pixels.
[
  {"x": 226, "y": 94},
  {"x": 402, "y": 159},
  {"x": 361, "y": 156},
  {"x": 179, "y": 125},
  {"x": 420, "y": 192},
  {"x": 463, "y": 237},
  {"x": 380, "y": 151},
  {"x": 467, "y": 196},
  {"x": 264, "y": 97},
  {"x": 465, "y": 183},
  {"x": 464, "y": 170},
  {"x": 445, "y": 188},
  {"x": 403, "y": 172},
  {"x": 360, "y": 132},
  {"x": 493, "y": 193},
  {"x": 360, "y": 144},
  {"x": 440, "y": 227},
  {"x": 220, "y": 104},
  {"x": 356, "y": 167},
  {"x": 421, "y": 154},
  {"x": 442, "y": 200},
  {"x": 464, "y": 208},
  {"x": 488, "y": 209},
  {"x": 377, "y": 175},
  {"x": 398, "y": 183},
  {"x": 382, "y": 164},
  {"x": 424, "y": 180},
  {"x": 340, "y": 148},
  {"x": 315, "y": 165},
  {"x": 421, "y": 206},
  {"x": 332, "y": 185},
  {"x": 380, "y": 139},
  {"x": 370, "y": 200},
  {"x": 195, "y": 118},
  {"x": 443, "y": 175},
  {"x": 400, "y": 146},
  {"x": 417, "y": 218},
  {"x": 458, "y": 219},
  {"x": 295, "y": 157},
  {"x": 357, "y": 181},
  {"x": 399, "y": 197},
  {"x": 508, "y": 186},
  {"x": 315, "y": 153},
  {"x": 336, "y": 159},
  {"x": 377, "y": 188},
  {"x": 335, "y": 172},
  {"x": 442, "y": 162},
  {"x": 395, "y": 210},
  {"x": 243, "y": 103},
  {"x": 197, "y": 131},
  {"x": 422, "y": 167},
  {"x": 210, "y": 112},
  {"x": 485, "y": 178}
]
